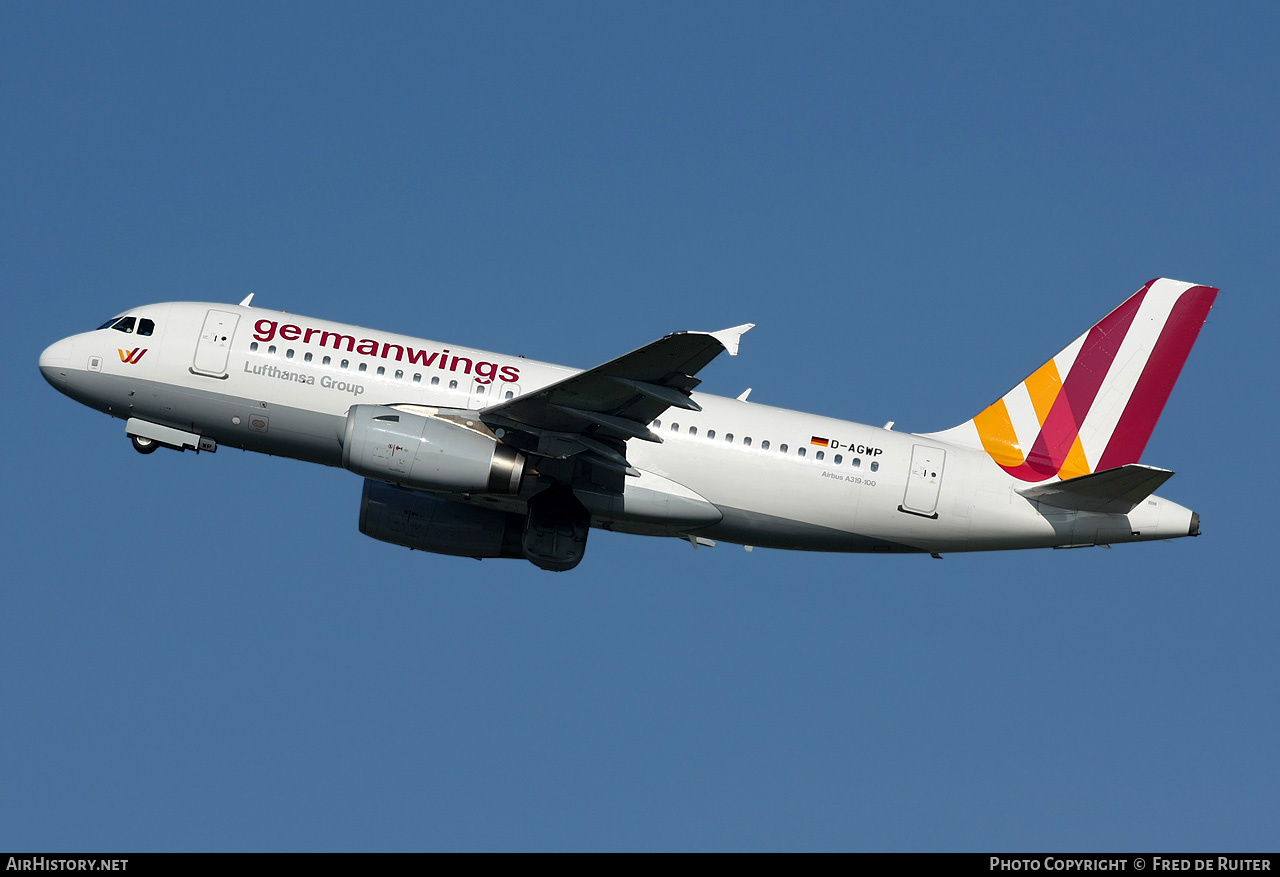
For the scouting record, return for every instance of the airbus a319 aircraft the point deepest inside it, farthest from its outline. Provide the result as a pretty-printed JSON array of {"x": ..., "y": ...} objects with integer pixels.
[{"x": 483, "y": 455}]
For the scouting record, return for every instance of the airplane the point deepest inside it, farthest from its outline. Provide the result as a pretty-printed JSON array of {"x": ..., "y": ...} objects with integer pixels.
[{"x": 477, "y": 454}]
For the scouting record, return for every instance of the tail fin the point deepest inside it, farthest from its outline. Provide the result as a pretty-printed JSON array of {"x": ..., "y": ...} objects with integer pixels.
[{"x": 1093, "y": 406}]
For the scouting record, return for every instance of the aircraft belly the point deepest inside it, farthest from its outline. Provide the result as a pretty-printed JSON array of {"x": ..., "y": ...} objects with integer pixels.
[
  {"x": 750, "y": 527},
  {"x": 653, "y": 503},
  {"x": 769, "y": 502}
]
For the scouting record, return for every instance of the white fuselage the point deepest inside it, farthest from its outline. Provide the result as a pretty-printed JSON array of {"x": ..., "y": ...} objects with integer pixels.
[{"x": 282, "y": 384}]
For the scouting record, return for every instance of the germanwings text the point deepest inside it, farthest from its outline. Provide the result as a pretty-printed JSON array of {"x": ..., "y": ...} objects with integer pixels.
[{"x": 485, "y": 372}]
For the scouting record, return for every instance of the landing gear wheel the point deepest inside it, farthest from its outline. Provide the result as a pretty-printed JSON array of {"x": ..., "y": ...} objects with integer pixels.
[{"x": 144, "y": 445}]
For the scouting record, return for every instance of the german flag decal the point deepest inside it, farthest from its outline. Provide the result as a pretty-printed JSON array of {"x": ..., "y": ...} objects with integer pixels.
[{"x": 820, "y": 442}]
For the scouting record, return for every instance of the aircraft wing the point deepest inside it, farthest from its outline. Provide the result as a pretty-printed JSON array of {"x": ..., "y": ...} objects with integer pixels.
[{"x": 596, "y": 411}]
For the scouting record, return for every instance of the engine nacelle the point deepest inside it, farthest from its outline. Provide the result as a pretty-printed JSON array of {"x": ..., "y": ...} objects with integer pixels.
[
  {"x": 429, "y": 523},
  {"x": 425, "y": 452}
]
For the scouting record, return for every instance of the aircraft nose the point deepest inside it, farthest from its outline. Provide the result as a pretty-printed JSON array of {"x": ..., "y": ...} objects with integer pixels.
[{"x": 55, "y": 361}]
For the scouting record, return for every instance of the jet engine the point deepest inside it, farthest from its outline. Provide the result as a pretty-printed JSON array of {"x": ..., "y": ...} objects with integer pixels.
[
  {"x": 390, "y": 445},
  {"x": 444, "y": 526},
  {"x": 552, "y": 536}
]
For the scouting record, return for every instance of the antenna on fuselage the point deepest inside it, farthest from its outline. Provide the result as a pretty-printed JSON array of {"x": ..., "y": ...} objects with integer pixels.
[{"x": 248, "y": 298}]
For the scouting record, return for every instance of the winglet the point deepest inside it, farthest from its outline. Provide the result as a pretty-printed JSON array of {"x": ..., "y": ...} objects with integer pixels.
[{"x": 729, "y": 338}]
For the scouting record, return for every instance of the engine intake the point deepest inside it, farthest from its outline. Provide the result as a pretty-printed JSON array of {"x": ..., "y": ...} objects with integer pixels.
[{"x": 428, "y": 453}]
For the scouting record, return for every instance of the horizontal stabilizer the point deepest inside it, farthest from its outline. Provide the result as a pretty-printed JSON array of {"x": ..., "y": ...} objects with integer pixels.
[{"x": 1111, "y": 491}]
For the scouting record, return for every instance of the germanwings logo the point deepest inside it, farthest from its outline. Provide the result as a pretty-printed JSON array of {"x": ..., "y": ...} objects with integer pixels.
[
  {"x": 1094, "y": 405},
  {"x": 133, "y": 357}
]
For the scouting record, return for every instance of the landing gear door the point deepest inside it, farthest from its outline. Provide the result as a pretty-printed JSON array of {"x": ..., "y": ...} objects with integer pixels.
[
  {"x": 924, "y": 481},
  {"x": 214, "y": 345}
]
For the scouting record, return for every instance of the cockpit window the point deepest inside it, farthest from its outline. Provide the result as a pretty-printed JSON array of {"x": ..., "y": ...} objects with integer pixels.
[{"x": 126, "y": 324}]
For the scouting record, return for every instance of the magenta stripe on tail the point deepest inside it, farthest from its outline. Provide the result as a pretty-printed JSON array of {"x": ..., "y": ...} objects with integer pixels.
[{"x": 1157, "y": 379}]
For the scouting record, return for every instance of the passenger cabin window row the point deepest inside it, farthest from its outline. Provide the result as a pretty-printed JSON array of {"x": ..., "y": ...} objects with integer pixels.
[
  {"x": 838, "y": 460},
  {"x": 254, "y": 347}
]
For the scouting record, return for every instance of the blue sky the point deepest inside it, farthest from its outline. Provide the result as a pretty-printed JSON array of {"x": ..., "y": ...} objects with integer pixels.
[{"x": 917, "y": 204}]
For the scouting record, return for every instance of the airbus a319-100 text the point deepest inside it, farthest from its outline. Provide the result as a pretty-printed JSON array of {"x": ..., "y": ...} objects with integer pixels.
[{"x": 478, "y": 454}]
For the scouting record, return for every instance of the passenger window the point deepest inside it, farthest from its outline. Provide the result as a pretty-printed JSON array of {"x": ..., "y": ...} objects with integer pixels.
[
  {"x": 728, "y": 436},
  {"x": 417, "y": 378},
  {"x": 364, "y": 366},
  {"x": 800, "y": 452},
  {"x": 288, "y": 354},
  {"x": 819, "y": 455},
  {"x": 399, "y": 374},
  {"x": 307, "y": 357},
  {"x": 272, "y": 350},
  {"x": 510, "y": 395},
  {"x": 453, "y": 385},
  {"x": 253, "y": 348},
  {"x": 875, "y": 467},
  {"x": 764, "y": 445},
  {"x": 782, "y": 448},
  {"x": 711, "y": 433},
  {"x": 381, "y": 371},
  {"x": 839, "y": 459},
  {"x": 124, "y": 324},
  {"x": 435, "y": 381},
  {"x": 693, "y": 430},
  {"x": 345, "y": 363},
  {"x": 857, "y": 462},
  {"x": 657, "y": 424},
  {"x": 146, "y": 327},
  {"x": 479, "y": 389},
  {"x": 746, "y": 442},
  {"x": 326, "y": 361}
]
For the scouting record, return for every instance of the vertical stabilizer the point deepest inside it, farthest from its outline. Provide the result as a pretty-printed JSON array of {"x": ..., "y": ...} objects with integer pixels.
[{"x": 1093, "y": 406}]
